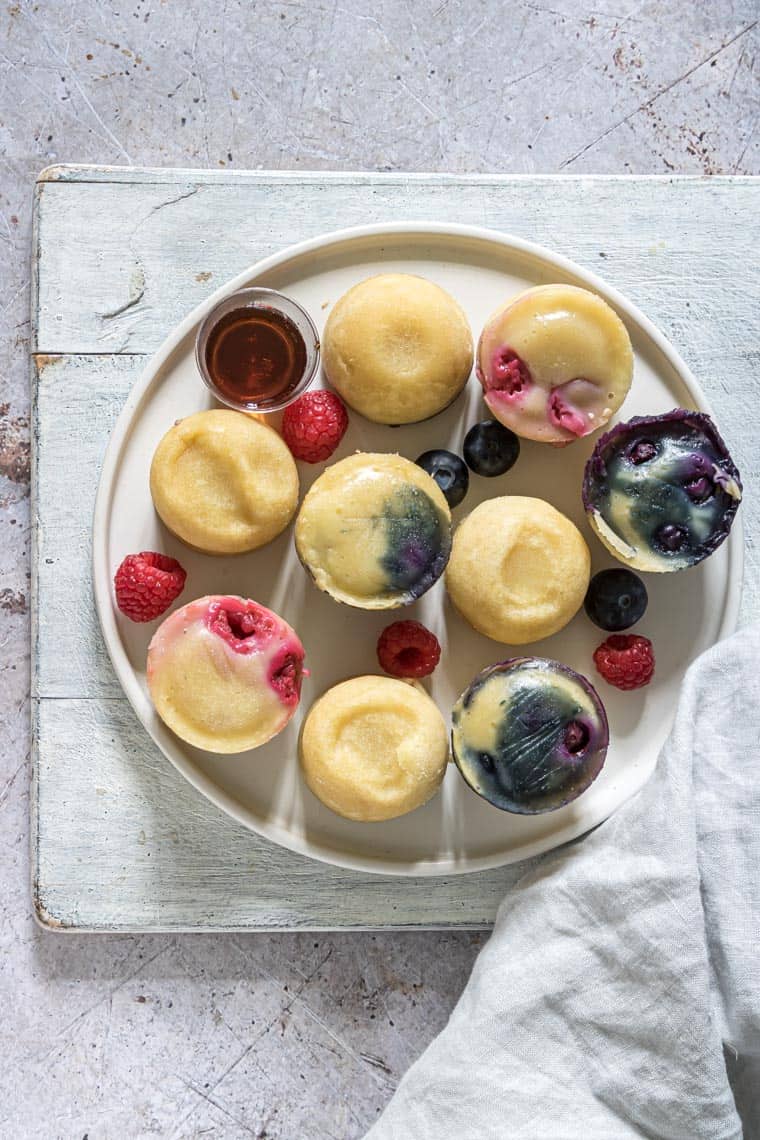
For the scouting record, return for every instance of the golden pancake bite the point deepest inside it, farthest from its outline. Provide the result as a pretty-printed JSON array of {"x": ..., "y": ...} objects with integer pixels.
[
  {"x": 223, "y": 482},
  {"x": 397, "y": 348},
  {"x": 374, "y": 531},
  {"x": 224, "y": 673},
  {"x": 374, "y": 748},
  {"x": 555, "y": 363},
  {"x": 519, "y": 569}
]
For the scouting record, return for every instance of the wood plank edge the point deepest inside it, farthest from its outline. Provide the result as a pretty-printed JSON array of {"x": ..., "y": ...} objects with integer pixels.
[
  {"x": 40, "y": 912},
  {"x": 50, "y": 923},
  {"x": 78, "y": 173}
]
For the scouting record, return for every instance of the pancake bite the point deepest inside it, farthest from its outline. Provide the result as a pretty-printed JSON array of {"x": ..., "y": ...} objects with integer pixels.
[
  {"x": 661, "y": 492},
  {"x": 223, "y": 483},
  {"x": 519, "y": 569},
  {"x": 555, "y": 363},
  {"x": 398, "y": 348},
  {"x": 374, "y": 748},
  {"x": 529, "y": 735},
  {"x": 374, "y": 531},
  {"x": 224, "y": 673}
]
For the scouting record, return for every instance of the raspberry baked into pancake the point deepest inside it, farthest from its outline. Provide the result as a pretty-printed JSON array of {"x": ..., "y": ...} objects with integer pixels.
[
  {"x": 225, "y": 673},
  {"x": 555, "y": 363}
]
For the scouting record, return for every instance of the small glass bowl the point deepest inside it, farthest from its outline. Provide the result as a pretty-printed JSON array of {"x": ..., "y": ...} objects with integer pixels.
[{"x": 267, "y": 299}]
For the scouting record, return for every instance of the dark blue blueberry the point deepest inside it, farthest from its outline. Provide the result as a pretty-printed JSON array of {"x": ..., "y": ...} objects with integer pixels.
[
  {"x": 671, "y": 537},
  {"x": 616, "y": 599},
  {"x": 485, "y": 759},
  {"x": 577, "y": 737},
  {"x": 418, "y": 542},
  {"x": 700, "y": 489},
  {"x": 642, "y": 452},
  {"x": 490, "y": 448},
  {"x": 449, "y": 471}
]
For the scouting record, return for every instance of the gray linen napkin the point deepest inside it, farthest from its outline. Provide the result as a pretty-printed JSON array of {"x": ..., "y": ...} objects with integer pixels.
[{"x": 620, "y": 966}]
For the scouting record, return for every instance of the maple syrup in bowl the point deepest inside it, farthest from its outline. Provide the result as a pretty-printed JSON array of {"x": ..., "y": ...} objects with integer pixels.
[{"x": 257, "y": 350}]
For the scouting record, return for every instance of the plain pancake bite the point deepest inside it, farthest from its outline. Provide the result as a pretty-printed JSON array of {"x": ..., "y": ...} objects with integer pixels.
[
  {"x": 373, "y": 748},
  {"x": 519, "y": 569},
  {"x": 397, "y": 348},
  {"x": 223, "y": 483}
]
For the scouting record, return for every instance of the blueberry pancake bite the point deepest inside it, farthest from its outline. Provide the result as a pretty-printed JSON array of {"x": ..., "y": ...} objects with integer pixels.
[
  {"x": 555, "y": 363},
  {"x": 519, "y": 569},
  {"x": 374, "y": 748},
  {"x": 374, "y": 531},
  {"x": 529, "y": 735},
  {"x": 224, "y": 673},
  {"x": 398, "y": 348},
  {"x": 661, "y": 492},
  {"x": 223, "y": 483}
]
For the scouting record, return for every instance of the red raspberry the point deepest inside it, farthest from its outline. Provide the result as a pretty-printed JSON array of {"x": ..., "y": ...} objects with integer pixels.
[
  {"x": 625, "y": 660},
  {"x": 408, "y": 649},
  {"x": 146, "y": 584},
  {"x": 314, "y": 424}
]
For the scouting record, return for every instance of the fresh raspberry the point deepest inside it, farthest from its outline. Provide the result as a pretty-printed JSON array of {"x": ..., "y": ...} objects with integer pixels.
[
  {"x": 146, "y": 584},
  {"x": 408, "y": 649},
  {"x": 625, "y": 660},
  {"x": 314, "y": 424}
]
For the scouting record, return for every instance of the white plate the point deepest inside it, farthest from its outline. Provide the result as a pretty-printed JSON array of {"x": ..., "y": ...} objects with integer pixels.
[{"x": 457, "y": 831}]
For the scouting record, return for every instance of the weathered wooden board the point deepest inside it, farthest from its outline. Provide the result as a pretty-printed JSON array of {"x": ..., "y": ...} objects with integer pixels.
[{"x": 120, "y": 840}]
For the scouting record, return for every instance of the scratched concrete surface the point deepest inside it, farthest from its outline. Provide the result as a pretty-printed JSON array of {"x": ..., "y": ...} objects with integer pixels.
[{"x": 291, "y": 1037}]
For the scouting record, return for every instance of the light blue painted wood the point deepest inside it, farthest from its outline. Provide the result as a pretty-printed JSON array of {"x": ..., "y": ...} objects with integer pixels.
[{"x": 120, "y": 841}]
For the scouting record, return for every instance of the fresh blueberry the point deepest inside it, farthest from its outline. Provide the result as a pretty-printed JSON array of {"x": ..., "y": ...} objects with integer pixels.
[
  {"x": 449, "y": 472},
  {"x": 490, "y": 448},
  {"x": 616, "y": 599}
]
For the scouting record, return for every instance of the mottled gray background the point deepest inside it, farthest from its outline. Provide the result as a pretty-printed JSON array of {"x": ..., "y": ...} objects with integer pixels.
[{"x": 295, "y": 1037}]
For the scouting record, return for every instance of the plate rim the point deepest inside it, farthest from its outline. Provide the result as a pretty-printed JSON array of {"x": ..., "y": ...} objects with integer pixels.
[{"x": 101, "y": 572}]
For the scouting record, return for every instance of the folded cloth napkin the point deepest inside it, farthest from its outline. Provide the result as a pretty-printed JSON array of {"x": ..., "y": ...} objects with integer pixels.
[{"x": 619, "y": 994}]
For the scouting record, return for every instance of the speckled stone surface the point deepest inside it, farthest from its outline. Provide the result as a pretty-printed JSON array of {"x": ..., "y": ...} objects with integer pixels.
[{"x": 288, "y": 1037}]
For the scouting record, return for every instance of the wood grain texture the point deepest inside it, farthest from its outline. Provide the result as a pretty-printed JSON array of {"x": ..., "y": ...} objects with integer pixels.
[
  {"x": 122, "y": 256},
  {"x": 115, "y": 280}
]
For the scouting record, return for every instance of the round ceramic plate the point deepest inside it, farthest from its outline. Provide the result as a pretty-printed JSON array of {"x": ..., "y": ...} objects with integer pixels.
[{"x": 457, "y": 831}]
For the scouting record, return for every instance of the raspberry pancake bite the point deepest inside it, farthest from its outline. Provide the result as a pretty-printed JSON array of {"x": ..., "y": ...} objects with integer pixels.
[
  {"x": 519, "y": 569},
  {"x": 223, "y": 483},
  {"x": 555, "y": 363},
  {"x": 224, "y": 673},
  {"x": 661, "y": 492},
  {"x": 374, "y": 748},
  {"x": 374, "y": 531},
  {"x": 529, "y": 735},
  {"x": 398, "y": 348}
]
